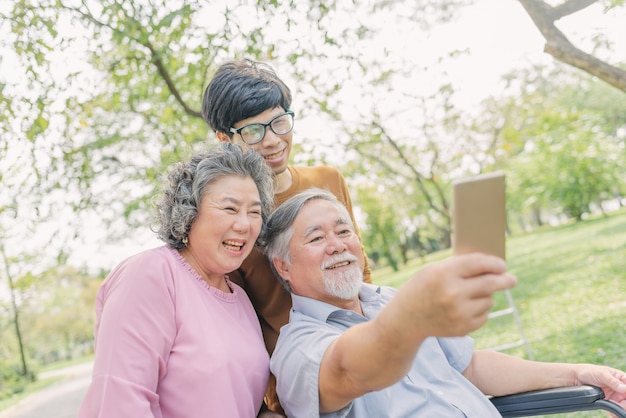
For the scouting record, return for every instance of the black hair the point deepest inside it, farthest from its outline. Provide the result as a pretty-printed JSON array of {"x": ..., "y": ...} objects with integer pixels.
[{"x": 242, "y": 89}]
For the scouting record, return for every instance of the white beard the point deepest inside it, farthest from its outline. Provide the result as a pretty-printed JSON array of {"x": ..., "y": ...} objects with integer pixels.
[{"x": 344, "y": 284}]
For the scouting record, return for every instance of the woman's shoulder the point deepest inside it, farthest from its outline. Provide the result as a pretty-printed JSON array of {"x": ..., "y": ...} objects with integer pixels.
[
  {"x": 143, "y": 276},
  {"x": 145, "y": 265},
  {"x": 162, "y": 254}
]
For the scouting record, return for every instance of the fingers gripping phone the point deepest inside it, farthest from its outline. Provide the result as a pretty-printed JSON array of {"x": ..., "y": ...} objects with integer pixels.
[{"x": 479, "y": 214}]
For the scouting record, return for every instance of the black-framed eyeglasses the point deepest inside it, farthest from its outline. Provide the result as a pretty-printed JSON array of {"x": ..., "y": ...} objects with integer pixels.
[{"x": 253, "y": 133}]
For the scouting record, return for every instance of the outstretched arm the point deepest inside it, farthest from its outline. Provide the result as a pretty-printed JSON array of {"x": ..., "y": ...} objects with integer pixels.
[
  {"x": 450, "y": 298},
  {"x": 486, "y": 372}
]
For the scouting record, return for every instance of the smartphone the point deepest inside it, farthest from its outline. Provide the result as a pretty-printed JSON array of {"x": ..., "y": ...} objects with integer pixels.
[{"x": 479, "y": 214}]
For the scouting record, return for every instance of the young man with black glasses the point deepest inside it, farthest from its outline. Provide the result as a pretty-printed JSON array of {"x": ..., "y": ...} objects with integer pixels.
[{"x": 247, "y": 103}]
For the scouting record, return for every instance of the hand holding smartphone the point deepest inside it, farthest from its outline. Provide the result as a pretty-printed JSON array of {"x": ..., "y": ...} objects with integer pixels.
[{"x": 479, "y": 214}]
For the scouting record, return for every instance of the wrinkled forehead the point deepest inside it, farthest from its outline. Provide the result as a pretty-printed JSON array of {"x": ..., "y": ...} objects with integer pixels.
[{"x": 319, "y": 213}]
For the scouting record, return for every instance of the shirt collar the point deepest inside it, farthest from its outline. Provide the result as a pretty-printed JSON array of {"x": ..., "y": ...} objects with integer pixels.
[{"x": 322, "y": 310}]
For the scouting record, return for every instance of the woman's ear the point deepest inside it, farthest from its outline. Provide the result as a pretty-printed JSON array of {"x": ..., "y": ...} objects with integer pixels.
[{"x": 223, "y": 137}]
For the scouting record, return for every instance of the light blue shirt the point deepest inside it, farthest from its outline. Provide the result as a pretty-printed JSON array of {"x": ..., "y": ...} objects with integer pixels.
[{"x": 434, "y": 387}]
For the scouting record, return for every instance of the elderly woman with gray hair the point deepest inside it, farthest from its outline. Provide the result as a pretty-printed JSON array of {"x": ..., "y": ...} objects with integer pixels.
[{"x": 174, "y": 337}]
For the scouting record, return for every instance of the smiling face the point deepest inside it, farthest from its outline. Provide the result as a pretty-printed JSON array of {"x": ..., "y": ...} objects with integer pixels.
[
  {"x": 326, "y": 257},
  {"x": 274, "y": 148},
  {"x": 226, "y": 228}
]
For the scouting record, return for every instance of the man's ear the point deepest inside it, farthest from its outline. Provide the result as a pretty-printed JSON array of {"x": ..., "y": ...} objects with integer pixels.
[
  {"x": 282, "y": 267},
  {"x": 222, "y": 137}
]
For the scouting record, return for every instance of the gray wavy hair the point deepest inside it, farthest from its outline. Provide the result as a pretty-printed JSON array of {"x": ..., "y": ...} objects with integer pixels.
[
  {"x": 279, "y": 228},
  {"x": 188, "y": 181}
]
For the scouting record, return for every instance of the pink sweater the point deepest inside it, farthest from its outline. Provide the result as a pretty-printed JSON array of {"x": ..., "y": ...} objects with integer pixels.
[{"x": 170, "y": 346}]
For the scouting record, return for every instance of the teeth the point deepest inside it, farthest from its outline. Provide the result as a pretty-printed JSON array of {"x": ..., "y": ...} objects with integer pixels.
[
  {"x": 334, "y": 266},
  {"x": 235, "y": 243},
  {"x": 272, "y": 156},
  {"x": 232, "y": 245}
]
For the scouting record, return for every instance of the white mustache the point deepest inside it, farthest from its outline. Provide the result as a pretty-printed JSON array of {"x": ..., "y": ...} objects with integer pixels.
[{"x": 339, "y": 259}]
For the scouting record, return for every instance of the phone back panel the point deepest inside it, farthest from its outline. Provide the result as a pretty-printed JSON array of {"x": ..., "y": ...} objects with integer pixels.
[{"x": 479, "y": 214}]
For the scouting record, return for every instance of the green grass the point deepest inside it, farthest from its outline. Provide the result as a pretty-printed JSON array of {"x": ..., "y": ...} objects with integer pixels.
[
  {"x": 64, "y": 364},
  {"x": 29, "y": 389},
  {"x": 39, "y": 384},
  {"x": 571, "y": 293}
]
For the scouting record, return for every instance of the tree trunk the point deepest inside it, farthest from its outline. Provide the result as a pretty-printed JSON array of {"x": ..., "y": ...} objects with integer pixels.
[{"x": 16, "y": 321}]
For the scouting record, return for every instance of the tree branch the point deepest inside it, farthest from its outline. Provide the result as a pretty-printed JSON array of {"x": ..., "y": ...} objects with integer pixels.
[
  {"x": 570, "y": 7},
  {"x": 557, "y": 44},
  {"x": 418, "y": 177},
  {"x": 158, "y": 63},
  {"x": 156, "y": 59}
]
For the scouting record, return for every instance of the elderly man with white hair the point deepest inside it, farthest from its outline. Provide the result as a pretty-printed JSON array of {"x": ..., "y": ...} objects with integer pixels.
[{"x": 353, "y": 349}]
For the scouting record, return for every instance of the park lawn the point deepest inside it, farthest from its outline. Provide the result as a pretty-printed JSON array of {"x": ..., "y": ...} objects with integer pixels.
[
  {"x": 28, "y": 389},
  {"x": 39, "y": 384},
  {"x": 571, "y": 293}
]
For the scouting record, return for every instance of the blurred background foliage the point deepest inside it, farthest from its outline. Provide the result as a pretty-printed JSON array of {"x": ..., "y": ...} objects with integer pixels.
[{"x": 109, "y": 94}]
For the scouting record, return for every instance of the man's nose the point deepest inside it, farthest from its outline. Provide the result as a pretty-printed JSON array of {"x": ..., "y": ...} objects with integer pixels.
[
  {"x": 270, "y": 139},
  {"x": 335, "y": 245}
]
